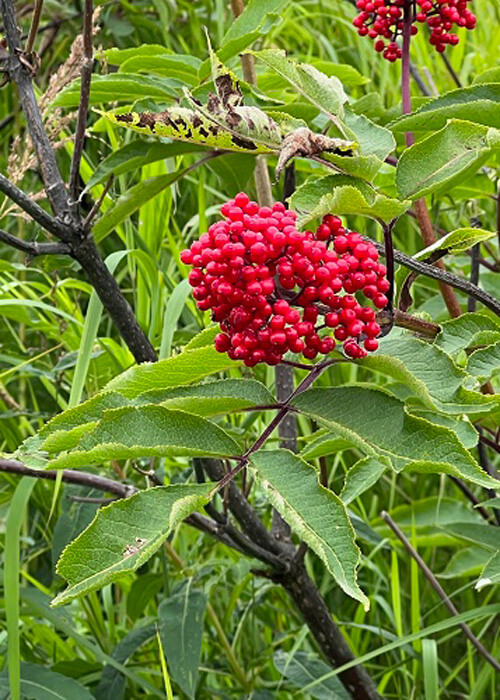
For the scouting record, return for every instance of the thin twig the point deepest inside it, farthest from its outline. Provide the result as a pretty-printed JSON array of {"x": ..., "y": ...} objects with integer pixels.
[
  {"x": 314, "y": 373},
  {"x": 83, "y": 104},
  {"x": 87, "y": 224},
  {"x": 69, "y": 476},
  {"x": 35, "y": 22},
  {"x": 474, "y": 275},
  {"x": 439, "y": 590}
]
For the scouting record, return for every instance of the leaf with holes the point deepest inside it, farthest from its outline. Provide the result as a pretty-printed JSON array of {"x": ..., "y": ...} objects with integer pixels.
[{"x": 124, "y": 535}]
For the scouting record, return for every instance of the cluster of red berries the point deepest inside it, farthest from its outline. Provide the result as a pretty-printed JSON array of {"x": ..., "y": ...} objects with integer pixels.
[
  {"x": 275, "y": 289},
  {"x": 383, "y": 19}
]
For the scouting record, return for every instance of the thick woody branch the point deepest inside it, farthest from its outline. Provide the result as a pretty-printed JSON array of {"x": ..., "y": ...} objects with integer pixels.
[{"x": 19, "y": 72}]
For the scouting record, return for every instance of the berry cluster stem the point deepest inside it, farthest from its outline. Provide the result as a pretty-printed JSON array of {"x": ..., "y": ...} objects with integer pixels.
[{"x": 314, "y": 373}]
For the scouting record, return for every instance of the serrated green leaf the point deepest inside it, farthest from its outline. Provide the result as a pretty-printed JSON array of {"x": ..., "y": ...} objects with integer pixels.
[
  {"x": 184, "y": 368},
  {"x": 133, "y": 432},
  {"x": 430, "y": 373},
  {"x": 362, "y": 476},
  {"x": 468, "y": 329},
  {"x": 316, "y": 514},
  {"x": 378, "y": 424},
  {"x": 477, "y": 103},
  {"x": 124, "y": 535},
  {"x": 444, "y": 158},
  {"x": 490, "y": 575},
  {"x": 325, "y": 93},
  {"x": 461, "y": 425},
  {"x": 485, "y": 362},
  {"x": 457, "y": 241},
  {"x": 181, "y": 626},
  {"x": 204, "y": 338},
  {"x": 341, "y": 194}
]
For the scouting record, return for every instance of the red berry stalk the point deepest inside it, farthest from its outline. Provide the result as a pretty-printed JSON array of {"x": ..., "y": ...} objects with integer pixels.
[
  {"x": 382, "y": 21},
  {"x": 274, "y": 289}
]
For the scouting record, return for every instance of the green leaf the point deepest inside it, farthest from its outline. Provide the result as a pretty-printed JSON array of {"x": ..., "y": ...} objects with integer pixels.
[
  {"x": 184, "y": 368},
  {"x": 40, "y": 683},
  {"x": 147, "y": 431},
  {"x": 468, "y": 329},
  {"x": 300, "y": 668},
  {"x": 182, "y": 67},
  {"x": 135, "y": 155},
  {"x": 203, "y": 338},
  {"x": 342, "y": 195},
  {"x": 325, "y": 93},
  {"x": 444, "y": 158},
  {"x": 477, "y": 103},
  {"x": 372, "y": 138},
  {"x": 430, "y": 373},
  {"x": 117, "y": 56},
  {"x": 181, "y": 627},
  {"x": 485, "y": 362},
  {"x": 211, "y": 398},
  {"x": 124, "y": 535},
  {"x": 347, "y": 74},
  {"x": 461, "y": 425},
  {"x": 118, "y": 87},
  {"x": 66, "y": 430},
  {"x": 491, "y": 75},
  {"x": 468, "y": 561},
  {"x": 254, "y": 21},
  {"x": 112, "y": 683},
  {"x": 486, "y": 536},
  {"x": 379, "y": 425},
  {"x": 132, "y": 200},
  {"x": 491, "y": 572},
  {"x": 457, "y": 241},
  {"x": 428, "y": 518},
  {"x": 316, "y": 514},
  {"x": 325, "y": 444},
  {"x": 362, "y": 476}
]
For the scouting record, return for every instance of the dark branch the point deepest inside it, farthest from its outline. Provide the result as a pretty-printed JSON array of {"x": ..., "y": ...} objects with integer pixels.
[
  {"x": 69, "y": 476},
  {"x": 444, "y": 276},
  {"x": 35, "y": 22},
  {"x": 32, "y": 248},
  {"x": 46, "y": 221}
]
